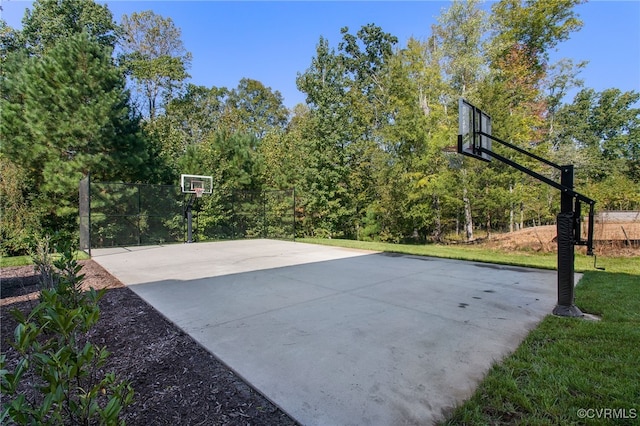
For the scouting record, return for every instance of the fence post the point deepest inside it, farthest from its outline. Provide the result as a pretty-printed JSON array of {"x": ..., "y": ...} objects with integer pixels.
[
  {"x": 264, "y": 214},
  {"x": 139, "y": 214},
  {"x": 89, "y": 210}
]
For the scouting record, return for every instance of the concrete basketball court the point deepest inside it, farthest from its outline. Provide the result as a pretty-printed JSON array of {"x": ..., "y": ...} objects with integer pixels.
[{"x": 337, "y": 336}]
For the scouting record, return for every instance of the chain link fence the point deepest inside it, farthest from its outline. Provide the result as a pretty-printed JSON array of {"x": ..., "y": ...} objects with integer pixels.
[{"x": 126, "y": 214}]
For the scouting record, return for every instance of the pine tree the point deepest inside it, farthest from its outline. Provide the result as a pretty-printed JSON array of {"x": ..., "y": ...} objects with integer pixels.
[{"x": 66, "y": 114}]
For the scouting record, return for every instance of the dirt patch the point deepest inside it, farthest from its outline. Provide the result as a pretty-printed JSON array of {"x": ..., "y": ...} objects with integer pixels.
[
  {"x": 176, "y": 381},
  {"x": 539, "y": 239},
  {"x": 610, "y": 239}
]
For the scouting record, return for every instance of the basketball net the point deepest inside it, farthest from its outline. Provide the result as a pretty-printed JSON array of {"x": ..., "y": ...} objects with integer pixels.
[{"x": 199, "y": 192}]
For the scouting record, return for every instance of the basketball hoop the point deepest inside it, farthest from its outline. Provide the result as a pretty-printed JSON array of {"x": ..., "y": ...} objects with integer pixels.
[
  {"x": 452, "y": 156},
  {"x": 199, "y": 192}
]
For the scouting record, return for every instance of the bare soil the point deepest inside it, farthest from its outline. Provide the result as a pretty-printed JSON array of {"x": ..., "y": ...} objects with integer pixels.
[
  {"x": 176, "y": 381},
  {"x": 610, "y": 239}
]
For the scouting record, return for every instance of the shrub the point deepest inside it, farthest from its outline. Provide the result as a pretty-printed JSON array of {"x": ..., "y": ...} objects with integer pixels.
[{"x": 56, "y": 359}]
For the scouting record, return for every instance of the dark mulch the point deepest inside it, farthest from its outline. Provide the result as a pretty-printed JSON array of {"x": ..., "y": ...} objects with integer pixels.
[{"x": 176, "y": 381}]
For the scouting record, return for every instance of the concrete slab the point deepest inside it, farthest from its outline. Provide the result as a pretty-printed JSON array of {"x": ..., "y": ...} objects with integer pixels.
[{"x": 337, "y": 336}]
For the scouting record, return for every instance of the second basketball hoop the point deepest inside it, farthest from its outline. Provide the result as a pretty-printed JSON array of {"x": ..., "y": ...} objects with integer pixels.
[
  {"x": 197, "y": 186},
  {"x": 191, "y": 184}
]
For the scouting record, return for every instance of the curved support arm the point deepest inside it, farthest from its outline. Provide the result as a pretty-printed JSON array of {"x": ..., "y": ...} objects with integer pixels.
[{"x": 562, "y": 188}]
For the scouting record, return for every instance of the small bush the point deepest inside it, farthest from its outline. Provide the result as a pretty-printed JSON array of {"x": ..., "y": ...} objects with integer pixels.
[{"x": 56, "y": 359}]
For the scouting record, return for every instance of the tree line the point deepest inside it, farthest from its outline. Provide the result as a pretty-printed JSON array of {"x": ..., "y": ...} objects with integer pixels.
[{"x": 369, "y": 152}]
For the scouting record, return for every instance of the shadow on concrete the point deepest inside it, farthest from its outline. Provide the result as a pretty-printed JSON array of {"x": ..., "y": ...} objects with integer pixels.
[{"x": 365, "y": 338}]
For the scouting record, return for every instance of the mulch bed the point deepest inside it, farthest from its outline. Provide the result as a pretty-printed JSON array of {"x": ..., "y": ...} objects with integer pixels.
[{"x": 176, "y": 381}]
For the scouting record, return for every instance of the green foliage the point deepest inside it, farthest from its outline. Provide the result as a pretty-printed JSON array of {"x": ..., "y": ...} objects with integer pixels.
[
  {"x": 600, "y": 133},
  {"x": 346, "y": 95},
  {"x": 326, "y": 134},
  {"x": 233, "y": 161},
  {"x": 562, "y": 76},
  {"x": 625, "y": 196},
  {"x": 283, "y": 153},
  {"x": 19, "y": 224},
  {"x": 155, "y": 56},
  {"x": 188, "y": 121},
  {"x": 370, "y": 152},
  {"x": 254, "y": 109},
  {"x": 57, "y": 359},
  {"x": 53, "y": 20},
  {"x": 197, "y": 118},
  {"x": 64, "y": 115},
  {"x": 458, "y": 35},
  {"x": 9, "y": 40},
  {"x": 536, "y": 26}
]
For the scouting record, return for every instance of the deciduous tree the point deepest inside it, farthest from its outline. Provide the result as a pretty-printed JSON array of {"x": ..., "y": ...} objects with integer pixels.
[
  {"x": 457, "y": 43},
  {"x": 53, "y": 20},
  {"x": 156, "y": 58},
  {"x": 254, "y": 108},
  {"x": 324, "y": 185},
  {"x": 189, "y": 120},
  {"x": 602, "y": 131}
]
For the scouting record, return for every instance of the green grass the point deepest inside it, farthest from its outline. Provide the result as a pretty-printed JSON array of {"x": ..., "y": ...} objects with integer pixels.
[
  {"x": 565, "y": 365},
  {"x": 15, "y": 261},
  {"x": 480, "y": 254},
  {"x": 27, "y": 260}
]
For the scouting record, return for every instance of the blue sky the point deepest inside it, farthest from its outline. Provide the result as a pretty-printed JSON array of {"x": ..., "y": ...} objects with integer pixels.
[{"x": 273, "y": 41}]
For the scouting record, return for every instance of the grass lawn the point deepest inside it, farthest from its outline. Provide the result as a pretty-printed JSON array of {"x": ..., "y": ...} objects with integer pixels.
[
  {"x": 567, "y": 371},
  {"x": 15, "y": 261},
  {"x": 27, "y": 260},
  {"x": 481, "y": 254}
]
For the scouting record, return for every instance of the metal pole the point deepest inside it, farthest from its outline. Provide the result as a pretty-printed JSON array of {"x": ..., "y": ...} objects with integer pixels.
[
  {"x": 189, "y": 225},
  {"x": 190, "y": 220},
  {"x": 566, "y": 249},
  {"x": 139, "y": 214},
  {"x": 566, "y": 180},
  {"x": 89, "y": 207},
  {"x": 265, "y": 233}
]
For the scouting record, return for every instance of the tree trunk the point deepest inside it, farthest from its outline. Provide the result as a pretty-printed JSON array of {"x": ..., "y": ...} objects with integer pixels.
[
  {"x": 511, "y": 212},
  {"x": 468, "y": 220},
  {"x": 521, "y": 216},
  {"x": 436, "y": 206}
]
